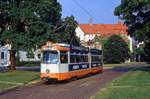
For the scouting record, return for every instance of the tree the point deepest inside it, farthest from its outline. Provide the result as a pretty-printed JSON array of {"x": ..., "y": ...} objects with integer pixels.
[
  {"x": 67, "y": 31},
  {"x": 136, "y": 15},
  {"x": 28, "y": 24},
  {"x": 116, "y": 50},
  {"x": 147, "y": 52}
]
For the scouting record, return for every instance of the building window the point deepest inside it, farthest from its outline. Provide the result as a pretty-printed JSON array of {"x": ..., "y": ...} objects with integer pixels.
[
  {"x": 39, "y": 56},
  {"x": 2, "y": 55}
]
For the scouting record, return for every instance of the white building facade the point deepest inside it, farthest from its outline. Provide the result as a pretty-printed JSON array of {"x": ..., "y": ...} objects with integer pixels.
[
  {"x": 88, "y": 32},
  {"x": 4, "y": 56}
]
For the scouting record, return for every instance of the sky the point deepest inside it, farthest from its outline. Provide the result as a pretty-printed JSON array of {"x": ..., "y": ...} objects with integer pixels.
[{"x": 101, "y": 11}]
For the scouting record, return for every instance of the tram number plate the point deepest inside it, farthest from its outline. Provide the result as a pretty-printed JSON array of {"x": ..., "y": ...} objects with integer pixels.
[
  {"x": 94, "y": 65},
  {"x": 76, "y": 67},
  {"x": 84, "y": 66}
]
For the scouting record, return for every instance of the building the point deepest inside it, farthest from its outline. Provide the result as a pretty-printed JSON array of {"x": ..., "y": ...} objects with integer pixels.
[
  {"x": 4, "y": 56},
  {"x": 88, "y": 32},
  {"x": 23, "y": 57}
]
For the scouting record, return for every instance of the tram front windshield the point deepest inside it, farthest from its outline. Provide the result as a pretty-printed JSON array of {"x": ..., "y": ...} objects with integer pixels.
[{"x": 50, "y": 57}]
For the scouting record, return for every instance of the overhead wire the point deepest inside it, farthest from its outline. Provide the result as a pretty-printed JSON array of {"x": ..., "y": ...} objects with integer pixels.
[{"x": 85, "y": 10}]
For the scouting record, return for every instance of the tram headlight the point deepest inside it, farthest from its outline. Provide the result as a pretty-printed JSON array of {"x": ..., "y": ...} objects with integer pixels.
[{"x": 47, "y": 71}]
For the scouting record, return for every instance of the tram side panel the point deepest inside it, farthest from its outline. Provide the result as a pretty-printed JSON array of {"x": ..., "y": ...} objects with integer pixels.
[{"x": 79, "y": 69}]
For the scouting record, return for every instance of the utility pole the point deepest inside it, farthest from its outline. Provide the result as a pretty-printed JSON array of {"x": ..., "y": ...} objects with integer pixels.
[{"x": 89, "y": 37}]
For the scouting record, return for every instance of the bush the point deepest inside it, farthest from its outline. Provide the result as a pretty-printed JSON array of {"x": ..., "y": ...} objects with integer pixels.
[{"x": 116, "y": 50}]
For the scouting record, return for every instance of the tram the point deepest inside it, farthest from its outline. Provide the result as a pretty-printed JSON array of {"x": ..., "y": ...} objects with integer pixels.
[{"x": 62, "y": 61}]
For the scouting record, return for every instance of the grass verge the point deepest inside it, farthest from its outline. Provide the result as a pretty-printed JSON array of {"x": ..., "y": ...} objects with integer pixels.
[
  {"x": 16, "y": 78},
  {"x": 133, "y": 85},
  {"x": 124, "y": 64}
]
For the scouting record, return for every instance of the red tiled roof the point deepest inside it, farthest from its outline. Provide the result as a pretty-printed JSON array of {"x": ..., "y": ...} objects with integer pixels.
[{"x": 104, "y": 29}]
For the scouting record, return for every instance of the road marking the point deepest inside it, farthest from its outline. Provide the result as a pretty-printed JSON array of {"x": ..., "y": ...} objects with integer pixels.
[{"x": 86, "y": 84}]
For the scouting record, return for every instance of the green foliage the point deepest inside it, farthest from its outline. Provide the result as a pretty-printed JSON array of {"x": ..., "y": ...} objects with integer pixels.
[
  {"x": 67, "y": 32},
  {"x": 136, "y": 15},
  {"x": 27, "y": 24},
  {"x": 116, "y": 50},
  {"x": 139, "y": 50},
  {"x": 97, "y": 39}
]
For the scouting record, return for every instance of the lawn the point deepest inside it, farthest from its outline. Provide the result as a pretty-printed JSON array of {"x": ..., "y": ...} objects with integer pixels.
[
  {"x": 16, "y": 78},
  {"x": 124, "y": 64},
  {"x": 133, "y": 85}
]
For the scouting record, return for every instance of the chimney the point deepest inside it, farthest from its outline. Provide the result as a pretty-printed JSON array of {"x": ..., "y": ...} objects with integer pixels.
[
  {"x": 91, "y": 21},
  {"x": 119, "y": 22}
]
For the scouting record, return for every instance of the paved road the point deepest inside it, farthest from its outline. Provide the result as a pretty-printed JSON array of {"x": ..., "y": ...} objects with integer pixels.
[{"x": 79, "y": 89}]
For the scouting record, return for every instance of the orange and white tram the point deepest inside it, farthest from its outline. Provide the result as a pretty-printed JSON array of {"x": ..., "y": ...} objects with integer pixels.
[{"x": 60, "y": 62}]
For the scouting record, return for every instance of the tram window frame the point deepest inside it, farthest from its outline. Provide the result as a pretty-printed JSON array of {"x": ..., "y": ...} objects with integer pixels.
[
  {"x": 78, "y": 58},
  {"x": 65, "y": 55}
]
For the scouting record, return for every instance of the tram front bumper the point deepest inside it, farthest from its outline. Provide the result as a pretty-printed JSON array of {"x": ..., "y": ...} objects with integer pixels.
[{"x": 58, "y": 76}]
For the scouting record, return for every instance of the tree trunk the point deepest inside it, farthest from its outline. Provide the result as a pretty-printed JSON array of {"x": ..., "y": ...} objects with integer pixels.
[{"x": 13, "y": 60}]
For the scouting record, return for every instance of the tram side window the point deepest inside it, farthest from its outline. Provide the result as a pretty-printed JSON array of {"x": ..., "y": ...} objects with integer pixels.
[
  {"x": 78, "y": 58},
  {"x": 96, "y": 59},
  {"x": 73, "y": 58},
  {"x": 93, "y": 58},
  {"x": 84, "y": 58},
  {"x": 99, "y": 58},
  {"x": 63, "y": 58}
]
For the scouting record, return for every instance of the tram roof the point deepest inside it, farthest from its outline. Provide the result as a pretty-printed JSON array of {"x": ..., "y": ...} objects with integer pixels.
[{"x": 67, "y": 47}]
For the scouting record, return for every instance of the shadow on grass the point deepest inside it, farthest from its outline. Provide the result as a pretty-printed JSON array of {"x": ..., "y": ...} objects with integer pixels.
[{"x": 127, "y": 69}]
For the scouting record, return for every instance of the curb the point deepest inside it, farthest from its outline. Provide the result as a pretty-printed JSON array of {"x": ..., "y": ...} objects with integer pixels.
[
  {"x": 33, "y": 82},
  {"x": 10, "y": 89}
]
